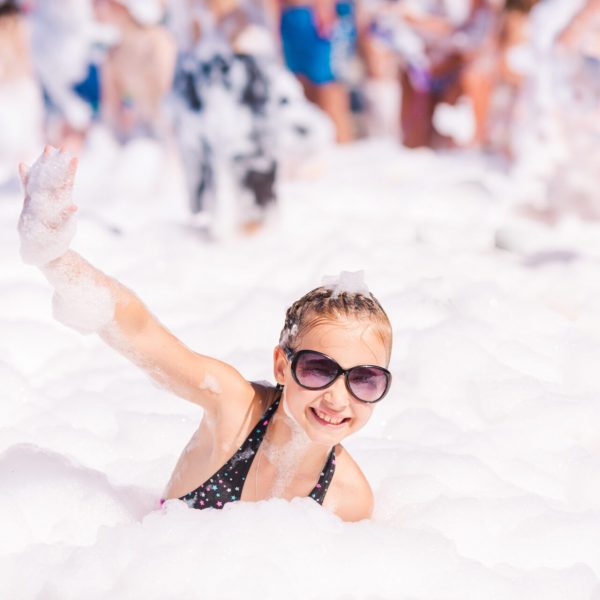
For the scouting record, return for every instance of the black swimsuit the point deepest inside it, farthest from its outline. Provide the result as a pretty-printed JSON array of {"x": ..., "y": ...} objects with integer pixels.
[{"x": 227, "y": 483}]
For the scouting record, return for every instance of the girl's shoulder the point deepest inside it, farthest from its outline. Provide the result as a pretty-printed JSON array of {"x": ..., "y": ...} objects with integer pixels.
[
  {"x": 349, "y": 495},
  {"x": 248, "y": 401}
]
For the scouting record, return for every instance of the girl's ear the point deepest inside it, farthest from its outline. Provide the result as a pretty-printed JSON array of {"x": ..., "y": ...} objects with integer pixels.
[{"x": 279, "y": 364}]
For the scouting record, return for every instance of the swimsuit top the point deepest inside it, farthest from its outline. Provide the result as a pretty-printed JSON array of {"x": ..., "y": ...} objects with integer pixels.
[{"x": 227, "y": 483}]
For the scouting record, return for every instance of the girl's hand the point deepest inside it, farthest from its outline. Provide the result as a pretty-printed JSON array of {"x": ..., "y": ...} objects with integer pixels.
[{"x": 47, "y": 224}]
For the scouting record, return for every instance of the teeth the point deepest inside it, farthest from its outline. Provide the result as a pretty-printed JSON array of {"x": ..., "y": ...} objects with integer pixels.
[{"x": 327, "y": 418}]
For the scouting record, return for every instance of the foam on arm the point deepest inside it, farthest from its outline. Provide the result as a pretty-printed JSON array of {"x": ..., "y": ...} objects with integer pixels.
[
  {"x": 84, "y": 297},
  {"x": 91, "y": 302}
]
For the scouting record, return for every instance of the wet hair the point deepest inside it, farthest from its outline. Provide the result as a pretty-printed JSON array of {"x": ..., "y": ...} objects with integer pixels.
[
  {"x": 8, "y": 8},
  {"x": 323, "y": 305}
]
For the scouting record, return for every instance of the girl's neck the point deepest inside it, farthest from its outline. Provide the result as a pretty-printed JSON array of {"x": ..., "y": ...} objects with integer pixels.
[{"x": 287, "y": 444}]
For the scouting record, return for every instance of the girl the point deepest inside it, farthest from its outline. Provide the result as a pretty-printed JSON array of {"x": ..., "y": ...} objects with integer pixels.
[{"x": 255, "y": 441}]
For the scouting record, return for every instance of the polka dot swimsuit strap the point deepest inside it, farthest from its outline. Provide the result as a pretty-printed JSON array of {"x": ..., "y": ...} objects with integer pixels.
[
  {"x": 320, "y": 489},
  {"x": 227, "y": 483}
]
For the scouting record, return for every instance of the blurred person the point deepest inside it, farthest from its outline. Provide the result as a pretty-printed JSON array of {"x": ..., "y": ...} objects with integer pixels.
[
  {"x": 137, "y": 71},
  {"x": 457, "y": 43},
  {"x": 318, "y": 38},
  {"x": 20, "y": 93},
  {"x": 65, "y": 38},
  {"x": 514, "y": 62},
  {"x": 220, "y": 115},
  {"x": 572, "y": 187},
  {"x": 480, "y": 47},
  {"x": 578, "y": 46},
  {"x": 579, "y": 32},
  {"x": 376, "y": 46},
  {"x": 556, "y": 146},
  {"x": 238, "y": 114}
]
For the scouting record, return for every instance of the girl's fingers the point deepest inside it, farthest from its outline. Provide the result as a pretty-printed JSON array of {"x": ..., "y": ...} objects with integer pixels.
[
  {"x": 70, "y": 176},
  {"x": 66, "y": 213},
  {"x": 73, "y": 164},
  {"x": 23, "y": 172}
]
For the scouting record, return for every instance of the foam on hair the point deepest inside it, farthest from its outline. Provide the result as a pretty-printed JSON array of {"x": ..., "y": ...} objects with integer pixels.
[{"x": 325, "y": 304}]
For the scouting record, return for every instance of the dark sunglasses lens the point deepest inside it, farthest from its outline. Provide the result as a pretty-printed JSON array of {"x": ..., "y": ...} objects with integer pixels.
[
  {"x": 368, "y": 383},
  {"x": 315, "y": 371}
]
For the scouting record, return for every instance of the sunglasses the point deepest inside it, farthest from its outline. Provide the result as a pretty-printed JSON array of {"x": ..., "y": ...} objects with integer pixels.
[{"x": 314, "y": 370}]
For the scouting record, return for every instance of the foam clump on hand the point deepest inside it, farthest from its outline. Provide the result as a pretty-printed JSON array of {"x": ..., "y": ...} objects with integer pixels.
[
  {"x": 350, "y": 282},
  {"x": 47, "y": 225}
]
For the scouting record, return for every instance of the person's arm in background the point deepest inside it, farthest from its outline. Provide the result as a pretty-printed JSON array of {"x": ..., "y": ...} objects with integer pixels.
[{"x": 583, "y": 20}]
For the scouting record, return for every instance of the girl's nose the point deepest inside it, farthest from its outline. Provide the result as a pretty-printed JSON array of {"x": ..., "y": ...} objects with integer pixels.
[{"x": 336, "y": 395}]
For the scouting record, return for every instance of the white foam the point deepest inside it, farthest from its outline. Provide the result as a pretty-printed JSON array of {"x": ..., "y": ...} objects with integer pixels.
[
  {"x": 46, "y": 227},
  {"x": 21, "y": 124},
  {"x": 211, "y": 384},
  {"x": 350, "y": 282},
  {"x": 80, "y": 301},
  {"x": 40, "y": 495},
  {"x": 84, "y": 306},
  {"x": 286, "y": 459},
  {"x": 483, "y": 457},
  {"x": 456, "y": 121}
]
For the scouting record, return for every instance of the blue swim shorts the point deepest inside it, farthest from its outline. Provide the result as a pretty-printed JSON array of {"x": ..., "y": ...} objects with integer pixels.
[{"x": 306, "y": 52}]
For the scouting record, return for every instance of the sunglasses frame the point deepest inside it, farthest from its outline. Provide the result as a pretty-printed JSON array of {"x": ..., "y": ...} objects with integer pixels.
[{"x": 293, "y": 357}]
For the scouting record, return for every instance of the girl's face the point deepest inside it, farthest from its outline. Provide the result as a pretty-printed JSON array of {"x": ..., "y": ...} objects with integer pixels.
[{"x": 327, "y": 416}]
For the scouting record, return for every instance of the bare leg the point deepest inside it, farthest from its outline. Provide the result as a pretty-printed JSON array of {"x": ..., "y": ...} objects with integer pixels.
[
  {"x": 333, "y": 98},
  {"x": 478, "y": 85},
  {"x": 416, "y": 112},
  {"x": 381, "y": 89},
  {"x": 311, "y": 91}
]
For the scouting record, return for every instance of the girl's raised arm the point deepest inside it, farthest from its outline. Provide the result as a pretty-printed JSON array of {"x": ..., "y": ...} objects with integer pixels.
[{"x": 90, "y": 301}]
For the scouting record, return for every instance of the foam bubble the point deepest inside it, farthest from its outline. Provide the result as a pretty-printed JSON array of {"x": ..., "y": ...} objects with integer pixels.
[
  {"x": 45, "y": 226},
  {"x": 40, "y": 496},
  {"x": 350, "y": 282},
  {"x": 483, "y": 457},
  {"x": 211, "y": 384},
  {"x": 80, "y": 301}
]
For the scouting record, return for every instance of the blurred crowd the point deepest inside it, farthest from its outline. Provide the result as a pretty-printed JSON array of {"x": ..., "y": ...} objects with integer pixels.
[{"x": 243, "y": 90}]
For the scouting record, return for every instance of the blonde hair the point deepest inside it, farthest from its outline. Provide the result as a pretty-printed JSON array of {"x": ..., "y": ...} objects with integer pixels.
[{"x": 323, "y": 304}]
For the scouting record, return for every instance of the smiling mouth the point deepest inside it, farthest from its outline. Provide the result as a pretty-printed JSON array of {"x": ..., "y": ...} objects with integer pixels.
[{"x": 327, "y": 420}]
